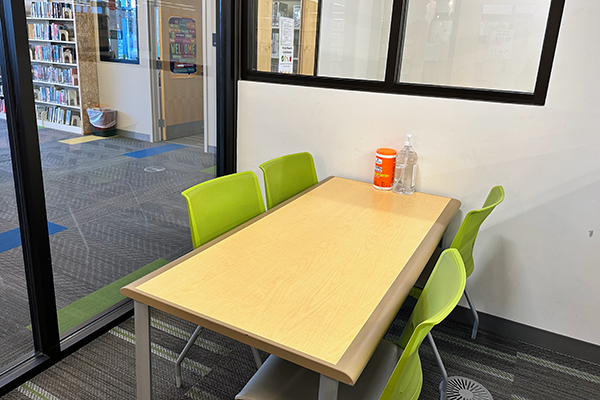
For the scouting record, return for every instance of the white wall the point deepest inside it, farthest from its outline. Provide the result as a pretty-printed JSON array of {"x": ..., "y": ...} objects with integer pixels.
[
  {"x": 126, "y": 87},
  {"x": 536, "y": 262}
]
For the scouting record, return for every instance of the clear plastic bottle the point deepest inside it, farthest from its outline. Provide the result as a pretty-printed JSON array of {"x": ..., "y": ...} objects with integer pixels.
[{"x": 406, "y": 169}]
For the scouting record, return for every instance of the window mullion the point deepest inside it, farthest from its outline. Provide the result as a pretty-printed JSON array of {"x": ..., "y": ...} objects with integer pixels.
[
  {"x": 27, "y": 170},
  {"x": 392, "y": 67}
]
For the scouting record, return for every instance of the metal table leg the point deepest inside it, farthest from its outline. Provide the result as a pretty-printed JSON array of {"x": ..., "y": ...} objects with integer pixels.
[
  {"x": 328, "y": 388},
  {"x": 143, "y": 365}
]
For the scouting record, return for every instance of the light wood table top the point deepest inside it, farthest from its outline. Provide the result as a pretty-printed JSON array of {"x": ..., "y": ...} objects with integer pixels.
[{"x": 316, "y": 281}]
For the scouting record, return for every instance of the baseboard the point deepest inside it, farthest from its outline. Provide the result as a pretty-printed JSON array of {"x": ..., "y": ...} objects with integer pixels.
[
  {"x": 183, "y": 130},
  {"x": 133, "y": 135},
  {"x": 525, "y": 333}
]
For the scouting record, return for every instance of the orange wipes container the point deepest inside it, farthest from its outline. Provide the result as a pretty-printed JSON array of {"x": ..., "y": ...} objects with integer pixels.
[{"x": 385, "y": 164}]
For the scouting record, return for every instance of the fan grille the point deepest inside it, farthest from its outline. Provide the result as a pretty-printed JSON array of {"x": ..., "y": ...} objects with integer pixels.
[{"x": 460, "y": 388}]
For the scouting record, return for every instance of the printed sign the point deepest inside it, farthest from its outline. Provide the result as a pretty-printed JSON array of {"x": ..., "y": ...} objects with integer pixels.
[
  {"x": 500, "y": 44},
  {"x": 182, "y": 45},
  {"x": 286, "y": 45}
]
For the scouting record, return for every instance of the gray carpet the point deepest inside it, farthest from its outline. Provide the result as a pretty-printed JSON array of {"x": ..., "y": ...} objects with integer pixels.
[
  {"x": 218, "y": 367},
  {"x": 118, "y": 219}
]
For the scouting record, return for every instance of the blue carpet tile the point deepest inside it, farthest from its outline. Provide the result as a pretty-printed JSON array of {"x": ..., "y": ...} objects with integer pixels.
[
  {"x": 11, "y": 239},
  {"x": 154, "y": 150}
]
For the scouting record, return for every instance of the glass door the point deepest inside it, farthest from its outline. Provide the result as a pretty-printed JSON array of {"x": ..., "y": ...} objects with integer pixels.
[
  {"x": 90, "y": 196},
  {"x": 16, "y": 339},
  {"x": 113, "y": 190}
]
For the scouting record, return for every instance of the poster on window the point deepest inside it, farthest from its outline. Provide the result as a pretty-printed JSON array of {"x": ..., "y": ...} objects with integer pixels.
[
  {"x": 182, "y": 45},
  {"x": 286, "y": 45}
]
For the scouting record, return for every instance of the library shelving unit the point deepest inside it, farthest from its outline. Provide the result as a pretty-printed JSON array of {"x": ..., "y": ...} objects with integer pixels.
[
  {"x": 304, "y": 14},
  {"x": 58, "y": 64}
]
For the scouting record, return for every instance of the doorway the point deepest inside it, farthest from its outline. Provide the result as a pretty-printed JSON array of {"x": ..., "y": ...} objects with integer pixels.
[{"x": 185, "y": 75}]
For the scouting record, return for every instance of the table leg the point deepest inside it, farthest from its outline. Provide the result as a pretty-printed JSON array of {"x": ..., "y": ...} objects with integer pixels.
[
  {"x": 143, "y": 365},
  {"x": 328, "y": 388}
]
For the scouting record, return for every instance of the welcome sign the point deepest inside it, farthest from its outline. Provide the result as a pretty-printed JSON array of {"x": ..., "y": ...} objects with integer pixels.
[{"x": 182, "y": 45}]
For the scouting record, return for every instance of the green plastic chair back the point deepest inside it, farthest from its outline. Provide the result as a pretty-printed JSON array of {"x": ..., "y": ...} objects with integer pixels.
[
  {"x": 221, "y": 204},
  {"x": 467, "y": 233},
  {"x": 439, "y": 297},
  {"x": 287, "y": 176}
]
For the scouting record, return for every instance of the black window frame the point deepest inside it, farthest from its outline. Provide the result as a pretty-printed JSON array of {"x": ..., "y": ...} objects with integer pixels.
[{"x": 390, "y": 84}]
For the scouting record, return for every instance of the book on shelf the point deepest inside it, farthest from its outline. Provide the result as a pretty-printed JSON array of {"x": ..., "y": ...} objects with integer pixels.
[
  {"x": 296, "y": 15},
  {"x": 52, "y": 53},
  {"x": 58, "y": 115},
  {"x": 46, "y": 9},
  {"x": 44, "y": 31},
  {"x": 275, "y": 45},
  {"x": 58, "y": 75},
  {"x": 50, "y": 94},
  {"x": 279, "y": 9}
]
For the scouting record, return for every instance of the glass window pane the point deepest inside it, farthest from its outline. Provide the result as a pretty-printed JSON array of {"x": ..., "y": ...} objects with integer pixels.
[
  {"x": 286, "y": 36},
  {"x": 474, "y": 44},
  {"x": 113, "y": 176},
  {"x": 16, "y": 339},
  {"x": 352, "y": 37}
]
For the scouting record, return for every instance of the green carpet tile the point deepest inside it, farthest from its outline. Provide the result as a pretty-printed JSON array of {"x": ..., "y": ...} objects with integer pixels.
[{"x": 91, "y": 305}]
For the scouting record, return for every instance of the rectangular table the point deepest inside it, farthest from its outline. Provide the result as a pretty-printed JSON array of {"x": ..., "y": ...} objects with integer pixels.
[{"x": 316, "y": 280}]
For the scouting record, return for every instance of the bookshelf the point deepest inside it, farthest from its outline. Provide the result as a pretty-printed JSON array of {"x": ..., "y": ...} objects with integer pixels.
[{"x": 54, "y": 65}]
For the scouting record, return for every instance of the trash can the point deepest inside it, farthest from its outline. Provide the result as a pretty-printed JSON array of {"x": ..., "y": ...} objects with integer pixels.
[{"x": 103, "y": 120}]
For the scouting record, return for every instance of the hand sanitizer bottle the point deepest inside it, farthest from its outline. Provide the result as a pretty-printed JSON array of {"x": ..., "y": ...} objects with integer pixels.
[{"x": 406, "y": 169}]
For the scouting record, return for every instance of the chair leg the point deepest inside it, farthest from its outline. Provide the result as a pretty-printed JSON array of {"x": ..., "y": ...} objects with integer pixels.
[
  {"x": 438, "y": 359},
  {"x": 184, "y": 352},
  {"x": 256, "y": 355},
  {"x": 475, "y": 315}
]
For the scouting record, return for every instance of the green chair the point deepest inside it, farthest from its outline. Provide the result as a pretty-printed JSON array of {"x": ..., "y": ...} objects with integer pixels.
[
  {"x": 214, "y": 208},
  {"x": 394, "y": 371},
  {"x": 287, "y": 176},
  {"x": 464, "y": 242}
]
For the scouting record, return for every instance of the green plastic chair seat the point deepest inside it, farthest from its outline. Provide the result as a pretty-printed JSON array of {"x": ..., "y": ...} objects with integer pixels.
[
  {"x": 287, "y": 176},
  {"x": 394, "y": 372}
]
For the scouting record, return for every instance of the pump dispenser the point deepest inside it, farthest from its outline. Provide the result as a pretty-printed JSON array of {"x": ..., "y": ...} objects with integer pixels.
[{"x": 406, "y": 169}]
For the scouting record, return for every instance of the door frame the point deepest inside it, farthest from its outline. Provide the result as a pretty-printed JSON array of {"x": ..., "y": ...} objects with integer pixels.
[{"x": 156, "y": 66}]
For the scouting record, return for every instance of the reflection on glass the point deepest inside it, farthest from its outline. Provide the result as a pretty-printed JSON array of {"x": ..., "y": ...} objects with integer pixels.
[
  {"x": 354, "y": 38},
  {"x": 113, "y": 192},
  {"x": 16, "y": 340},
  {"x": 118, "y": 31},
  {"x": 286, "y": 36},
  {"x": 474, "y": 44}
]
